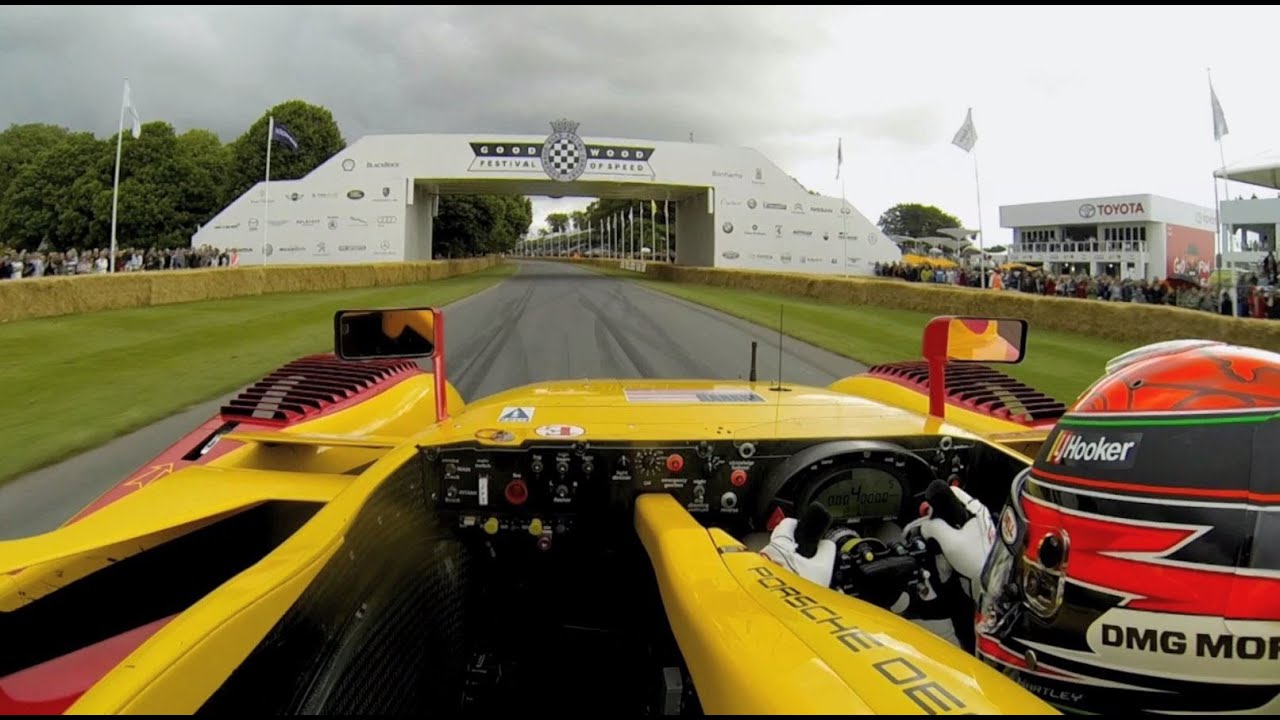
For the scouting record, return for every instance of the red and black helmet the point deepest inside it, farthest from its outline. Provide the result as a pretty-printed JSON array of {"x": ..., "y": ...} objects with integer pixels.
[{"x": 1138, "y": 563}]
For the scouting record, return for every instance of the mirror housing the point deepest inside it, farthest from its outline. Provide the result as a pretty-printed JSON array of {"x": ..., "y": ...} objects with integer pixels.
[
  {"x": 950, "y": 338},
  {"x": 389, "y": 333},
  {"x": 414, "y": 332}
]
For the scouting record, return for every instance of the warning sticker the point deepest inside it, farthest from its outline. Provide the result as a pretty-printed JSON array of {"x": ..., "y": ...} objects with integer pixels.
[
  {"x": 516, "y": 415},
  {"x": 560, "y": 431},
  {"x": 693, "y": 396}
]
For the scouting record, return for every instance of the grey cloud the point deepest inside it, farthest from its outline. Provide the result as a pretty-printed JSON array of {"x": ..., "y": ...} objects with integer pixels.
[{"x": 727, "y": 74}]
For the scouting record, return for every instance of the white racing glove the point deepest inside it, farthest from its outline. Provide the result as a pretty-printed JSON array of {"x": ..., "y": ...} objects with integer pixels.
[
  {"x": 782, "y": 550},
  {"x": 964, "y": 550}
]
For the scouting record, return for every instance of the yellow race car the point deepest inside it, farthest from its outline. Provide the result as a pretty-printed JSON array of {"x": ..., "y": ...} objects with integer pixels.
[{"x": 347, "y": 536}]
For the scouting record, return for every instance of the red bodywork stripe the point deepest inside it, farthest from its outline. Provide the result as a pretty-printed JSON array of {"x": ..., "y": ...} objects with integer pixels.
[{"x": 55, "y": 685}]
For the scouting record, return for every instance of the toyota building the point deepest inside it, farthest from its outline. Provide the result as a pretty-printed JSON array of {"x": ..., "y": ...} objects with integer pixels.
[{"x": 1129, "y": 236}]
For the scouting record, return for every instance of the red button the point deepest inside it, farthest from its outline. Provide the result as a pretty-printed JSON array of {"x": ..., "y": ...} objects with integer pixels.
[
  {"x": 675, "y": 463},
  {"x": 517, "y": 492},
  {"x": 738, "y": 477}
]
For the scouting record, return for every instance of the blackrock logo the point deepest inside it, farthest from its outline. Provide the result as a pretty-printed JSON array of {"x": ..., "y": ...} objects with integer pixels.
[
  {"x": 728, "y": 228},
  {"x": 383, "y": 165},
  {"x": 563, "y": 157},
  {"x": 1116, "y": 451},
  {"x": 348, "y": 165}
]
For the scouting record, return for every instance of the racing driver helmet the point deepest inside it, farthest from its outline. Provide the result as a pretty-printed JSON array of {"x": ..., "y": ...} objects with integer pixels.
[{"x": 1137, "y": 567}]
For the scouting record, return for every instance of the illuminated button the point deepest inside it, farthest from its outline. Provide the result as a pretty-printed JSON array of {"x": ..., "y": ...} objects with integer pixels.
[
  {"x": 491, "y": 526},
  {"x": 675, "y": 463},
  {"x": 535, "y": 527},
  {"x": 738, "y": 477},
  {"x": 517, "y": 492}
]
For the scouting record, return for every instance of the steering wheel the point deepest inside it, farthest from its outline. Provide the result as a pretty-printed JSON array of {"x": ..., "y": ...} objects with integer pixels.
[{"x": 898, "y": 574}]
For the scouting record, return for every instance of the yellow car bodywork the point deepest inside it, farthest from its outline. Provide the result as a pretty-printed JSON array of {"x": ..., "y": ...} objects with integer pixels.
[{"x": 748, "y": 650}]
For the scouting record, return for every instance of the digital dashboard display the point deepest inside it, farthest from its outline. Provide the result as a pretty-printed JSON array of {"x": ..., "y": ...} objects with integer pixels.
[{"x": 862, "y": 493}]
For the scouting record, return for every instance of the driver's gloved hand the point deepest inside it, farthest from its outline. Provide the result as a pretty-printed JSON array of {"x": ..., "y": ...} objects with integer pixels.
[
  {"x": 782, "y": 550},
  {"x": 965, "y": 550}
]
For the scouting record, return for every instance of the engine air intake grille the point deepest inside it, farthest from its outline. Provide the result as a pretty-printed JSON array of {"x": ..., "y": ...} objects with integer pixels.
[
  {"x": 309, "y": 385},
  {"x": 981, "y": 389}
]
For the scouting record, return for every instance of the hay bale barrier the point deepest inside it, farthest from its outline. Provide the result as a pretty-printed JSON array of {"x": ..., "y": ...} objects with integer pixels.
[
  {"x": 1124, "y": 322},
  {"x": 54, "y": 296}
]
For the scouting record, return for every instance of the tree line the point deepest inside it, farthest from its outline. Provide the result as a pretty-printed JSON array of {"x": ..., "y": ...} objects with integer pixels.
[{"x": 56, "y": 184}]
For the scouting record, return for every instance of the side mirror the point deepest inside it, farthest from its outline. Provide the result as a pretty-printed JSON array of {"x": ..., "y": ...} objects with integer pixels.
[
  {"x": 974, "y": 339},
  {"x": 391, "y": 333},
  {"x": 968, "y": 339}
]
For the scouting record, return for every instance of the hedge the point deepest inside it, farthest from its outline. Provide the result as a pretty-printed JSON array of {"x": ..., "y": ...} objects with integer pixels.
[
  {"x": 1126, "y": 322},
  {"x": 64, "y": 295}
]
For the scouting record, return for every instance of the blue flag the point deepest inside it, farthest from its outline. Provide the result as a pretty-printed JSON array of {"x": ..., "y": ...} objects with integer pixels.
[{"x": 282, "y": 134}]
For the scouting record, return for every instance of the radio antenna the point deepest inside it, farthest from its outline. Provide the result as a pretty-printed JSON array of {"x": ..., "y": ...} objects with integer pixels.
[
  {"x": 779, "y": 387},
  {"x": 753, "y": 361}
]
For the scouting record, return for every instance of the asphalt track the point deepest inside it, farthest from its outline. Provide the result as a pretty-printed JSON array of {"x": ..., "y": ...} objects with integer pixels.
[{"x": 549, "y": 321}]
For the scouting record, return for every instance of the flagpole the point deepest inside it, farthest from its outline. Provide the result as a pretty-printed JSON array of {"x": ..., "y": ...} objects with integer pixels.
[
  {"x": 1217, "y": 206},
  {"x": 844, "y": 224},
  {"x": 115, "y": 191},
  {"x": 266, "y": 187},
  {"x": 982, "y": 255}
]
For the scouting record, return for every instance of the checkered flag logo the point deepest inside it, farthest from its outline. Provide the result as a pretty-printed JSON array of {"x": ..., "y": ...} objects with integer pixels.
[{"x": 564, "y": 155}]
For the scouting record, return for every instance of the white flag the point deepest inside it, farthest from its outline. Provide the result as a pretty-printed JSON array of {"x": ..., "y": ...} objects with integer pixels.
[
  {"x": 1219, "y": 120},
  {"x": 839, "y": 156},
  {"x": 133, "y": 111},
  {"x": 967, "y": 136}
]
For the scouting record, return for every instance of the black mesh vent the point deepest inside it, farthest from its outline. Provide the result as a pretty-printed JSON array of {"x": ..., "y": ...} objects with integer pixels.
[
  {"x": 981, "y": 389},
  {"x": 308, "y": 385},
  {"x": 380, "y": 629}
]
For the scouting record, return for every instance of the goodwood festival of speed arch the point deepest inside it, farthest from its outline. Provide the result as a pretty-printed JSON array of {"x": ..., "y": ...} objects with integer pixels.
[{"x": 375, "y": 201}]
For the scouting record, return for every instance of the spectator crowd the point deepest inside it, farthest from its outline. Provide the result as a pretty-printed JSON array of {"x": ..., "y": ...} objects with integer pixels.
[
  {"x": 1258, "y": 293},
  {"x": 18, "y": 264}
]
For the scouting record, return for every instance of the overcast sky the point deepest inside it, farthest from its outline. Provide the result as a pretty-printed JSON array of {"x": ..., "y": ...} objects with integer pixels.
[{"x": 1068, "y": 102}]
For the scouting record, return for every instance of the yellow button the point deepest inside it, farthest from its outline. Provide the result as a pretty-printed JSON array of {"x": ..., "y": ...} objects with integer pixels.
[
  {"x": 535, "y": 528},
  {"x": 491, "y": 526}
]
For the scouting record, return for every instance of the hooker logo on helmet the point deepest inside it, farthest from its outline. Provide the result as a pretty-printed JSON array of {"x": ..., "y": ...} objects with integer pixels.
[{"x": 1074, "y": 449}]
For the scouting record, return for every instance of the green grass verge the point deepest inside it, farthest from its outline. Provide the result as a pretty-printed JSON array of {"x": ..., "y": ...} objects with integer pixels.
[
  {"x": 77, "y": 381},
  {"x": 1060, "y": 364}
]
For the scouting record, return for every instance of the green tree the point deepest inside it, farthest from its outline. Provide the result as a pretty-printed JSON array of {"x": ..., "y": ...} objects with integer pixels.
[
  {"x": 916, "y": 220},
  {"x": 558, "y": 222},
  {"x": 478, "y": 224},
  {"x": 52, "y": 197},
  {"x": 313, "y": 126},
  {"x": 204, "y": 162},
  {"x": 20, "y": 144}
]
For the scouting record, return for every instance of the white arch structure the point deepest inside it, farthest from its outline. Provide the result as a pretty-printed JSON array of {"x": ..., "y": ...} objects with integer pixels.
[{"x": 376, "y": 201}]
